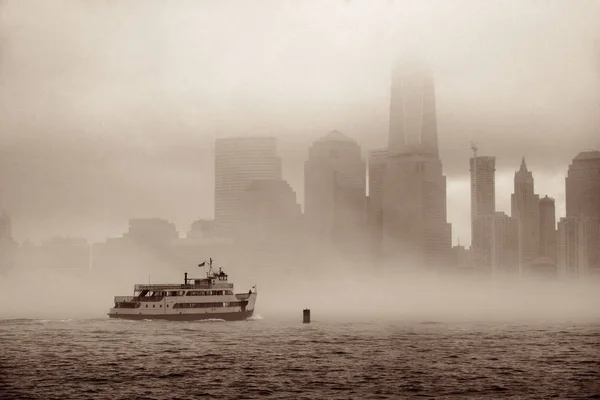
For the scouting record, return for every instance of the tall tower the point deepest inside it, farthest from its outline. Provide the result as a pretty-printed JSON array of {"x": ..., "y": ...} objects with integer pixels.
[
  {"x": 415, "y": 231},
  {"x": 239, "y": 161},
  {"x": 525, "y": 209},
  {"x": 413, "y": 123},
  {"x": 483, "y": 208}
]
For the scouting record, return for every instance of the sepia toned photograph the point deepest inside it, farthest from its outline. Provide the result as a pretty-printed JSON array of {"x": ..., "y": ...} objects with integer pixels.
[{"x": 299, "y": 199}]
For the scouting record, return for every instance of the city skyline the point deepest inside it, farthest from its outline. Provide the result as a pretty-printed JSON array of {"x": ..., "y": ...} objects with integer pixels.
[
  {"x": 502, "y": 91},
  {"x": 525, "y": 243},
  {"x": 504, "y": 197}
]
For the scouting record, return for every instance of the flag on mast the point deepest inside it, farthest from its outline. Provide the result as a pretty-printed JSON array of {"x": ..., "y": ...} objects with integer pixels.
[{"x": 202, "y": 264}]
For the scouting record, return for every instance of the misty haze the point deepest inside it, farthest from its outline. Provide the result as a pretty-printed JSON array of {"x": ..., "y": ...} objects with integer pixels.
[{"x": 300, "y": 199}]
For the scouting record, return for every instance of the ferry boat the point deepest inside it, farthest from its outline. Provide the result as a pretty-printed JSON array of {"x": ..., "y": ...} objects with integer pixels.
[{"x": 196, "y": 299}]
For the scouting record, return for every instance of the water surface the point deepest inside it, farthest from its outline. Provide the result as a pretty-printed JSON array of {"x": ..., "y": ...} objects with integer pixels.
[{"x": 271, "y": 358}]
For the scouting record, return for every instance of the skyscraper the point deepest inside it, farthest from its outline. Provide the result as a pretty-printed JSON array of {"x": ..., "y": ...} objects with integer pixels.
[
  {"x": 483, "y": 208},
  {"x": 413, "y": 121},
  {"x": 415, "y": 231},
  {"x": 579, "y": 232},
  {"x": 525, "y": 209},
  {"x": 377, "y": 170},
  {"x": 571, "y": 248},
  {"x": 239, "y": 161},
  {"x": 483, "y": 186},
  {"x": 548, "y": 235},
  {"x": 583, "y": 185},
  {"x": 335, "y": 192}
]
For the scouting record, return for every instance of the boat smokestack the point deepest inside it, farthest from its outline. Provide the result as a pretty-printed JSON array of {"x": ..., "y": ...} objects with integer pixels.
[
  {"x": 185, "y": 278},
  {"x": 306, "y": 316}
]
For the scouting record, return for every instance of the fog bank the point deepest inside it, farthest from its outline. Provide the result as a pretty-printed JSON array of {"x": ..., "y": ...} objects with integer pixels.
[{"x": 330, "y": 294}]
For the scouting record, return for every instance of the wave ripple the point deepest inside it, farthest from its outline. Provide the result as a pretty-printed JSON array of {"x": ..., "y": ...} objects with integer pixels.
[{"x": 77, "y": 359}]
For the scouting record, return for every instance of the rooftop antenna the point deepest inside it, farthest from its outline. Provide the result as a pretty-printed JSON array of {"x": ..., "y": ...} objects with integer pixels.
[{"x": 474, "y": 148}]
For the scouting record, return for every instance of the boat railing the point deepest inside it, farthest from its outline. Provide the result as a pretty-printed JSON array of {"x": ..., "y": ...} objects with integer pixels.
[
  {"x": 203, "y": 285},
  {"x": 144, "y": 286}
]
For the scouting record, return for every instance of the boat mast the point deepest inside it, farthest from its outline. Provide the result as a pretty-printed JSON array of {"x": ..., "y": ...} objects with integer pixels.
[{"x": 209, "y": 267}]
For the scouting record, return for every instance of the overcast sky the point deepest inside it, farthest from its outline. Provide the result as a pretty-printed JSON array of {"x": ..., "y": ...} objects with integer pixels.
[{"x": 109, "y": 109}]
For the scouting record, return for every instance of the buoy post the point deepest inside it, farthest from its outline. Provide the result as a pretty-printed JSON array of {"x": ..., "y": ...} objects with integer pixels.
[{"x": 306, "y": 316}]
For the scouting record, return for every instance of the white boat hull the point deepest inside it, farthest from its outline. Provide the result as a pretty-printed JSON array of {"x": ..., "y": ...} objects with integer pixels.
[{"x": 166, "y": 309}]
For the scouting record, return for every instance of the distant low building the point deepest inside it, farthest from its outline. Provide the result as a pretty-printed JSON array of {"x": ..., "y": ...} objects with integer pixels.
[
  {"x": 147, "y": 244},
  {"x": 57, "y": 253},
  {"x": 461, "y": 257},
  {"x": 202, "y": 229},
  {"x": 579, "y": 247},
  {"x": 505, "y": 245},
  {"x": 269, "y": 225}
]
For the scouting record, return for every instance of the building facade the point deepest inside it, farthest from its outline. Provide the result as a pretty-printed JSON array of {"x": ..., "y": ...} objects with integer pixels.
[
  {"x": 504, "y": 245},
  {"x": 548, "y": 234},
  {"x": 269, "y": 215},
  {"x": 483, "y": 209},
  {"x": 579, "y": 232},
  {"x": 335, "y": 194},
  {"x": 583, "y": 185},
  {"x": 571, "y": 252},
  {"x": 239, "y": 161}
]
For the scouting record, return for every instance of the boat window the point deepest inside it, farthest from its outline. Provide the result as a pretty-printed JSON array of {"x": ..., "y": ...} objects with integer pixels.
[
  {"x": 153, "y": 305},
  {"x": 198, "y": 305},
  {"x": 197, "y": 293}
]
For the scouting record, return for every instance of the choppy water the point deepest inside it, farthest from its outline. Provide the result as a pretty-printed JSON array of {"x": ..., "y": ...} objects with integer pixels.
[{"x": 112, "y": 359}]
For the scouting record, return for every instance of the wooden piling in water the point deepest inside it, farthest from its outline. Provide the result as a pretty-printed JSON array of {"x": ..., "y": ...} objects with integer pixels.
[{"x": 306, "y": 316}]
